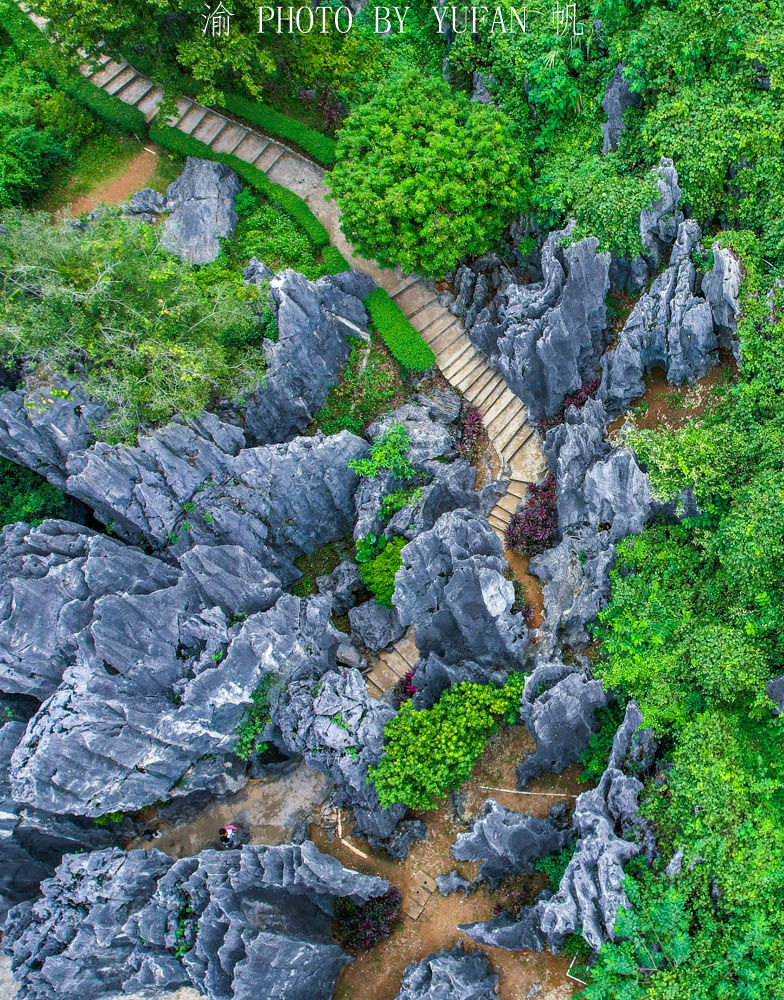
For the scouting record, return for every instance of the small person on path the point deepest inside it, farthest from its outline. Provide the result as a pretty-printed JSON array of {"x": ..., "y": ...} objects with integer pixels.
[{"x": 229, "y": 836}]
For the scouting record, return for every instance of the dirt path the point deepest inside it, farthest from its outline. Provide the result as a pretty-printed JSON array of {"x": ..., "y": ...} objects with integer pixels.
[
  {"x": 118, "y": 189},
  {"x": 377, "y": 974}
]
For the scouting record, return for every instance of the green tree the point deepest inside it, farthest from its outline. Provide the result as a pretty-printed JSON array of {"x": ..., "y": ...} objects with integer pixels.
[{"x": 424, "y": 176}]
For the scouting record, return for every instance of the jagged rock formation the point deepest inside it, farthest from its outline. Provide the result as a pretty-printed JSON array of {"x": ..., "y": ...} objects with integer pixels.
[
  {"x": 509, "y": 842},
  {"x": 558, "y": 708},
  {"x": 453, "y": 882},
  {"x": 610, "y": 833},
  {"x": 545, "y": 338},
  {"x": 236, "y": 925},
  {"x": 722, "y": 289},
  {"x": 201, "y": 207},
  {"x": 315, "y": 321},
  {"x": 451, "y": 586},
  {"x": 375, "y": 626},
  {"x": 670, "y": 326},
  {"x": 449, "y": 975},
  {"x": 618, "y": 96},
  {"x": 429, "y": 437},
  {"x": 433, "y": 676}
]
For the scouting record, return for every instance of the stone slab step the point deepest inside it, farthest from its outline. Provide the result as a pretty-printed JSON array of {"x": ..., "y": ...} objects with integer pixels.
[
  {"x": 472, "y": 382},
  {"x": 489, "y": 394},
  {"x": 508, "y": 502},
  {"x": 414, "y": 297},
  {"x": 209, "y": 127},
  {"x": 465, "y": 366},
  {"x": 423, "y": 317},
  {"x": 229, "y": 139},
  {"x": 150, "y": 103},
  {"x": 192, "y": 118},
  {"x": 383, "y": 677},
  {"x": 115, "y": 85},
  {"x": 457, "y": 350},
  {"x": 396, "y": 664},
  {"x": 373, "y": 690},
  {"x": 107, "y": 73},
  {"x": 405, "y": 282},
  {"x": 136, "y": 90},
  {"x": 498, "y": 521},
  {"x": 269, "y": 157},
  {"x": 517, "y": 488},
  {"x": 504, "y": 404},
  {"x": 446, "y": 338},
  {"x": 407, "y": 648},
  {"x": 251, "y": 147},
  {"x": 423, "y": 881},
  {"x": 438, "y": 325},
  {"x": 517, "y": 430}
]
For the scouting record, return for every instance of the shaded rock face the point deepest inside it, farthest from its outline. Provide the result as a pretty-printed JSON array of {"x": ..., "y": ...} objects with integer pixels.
[
  {"x": 247, "y": 923},
  {"x": 558, "y": 708},
  {"x": 609, "y": 833},
  {"x": 545, "y": 338},
  {"x": 450, "y": 975},
  {"x": 670, "y": 327},
  {"x": 451, "y": 587},
  {"x": 375, "y": 626},
  {"x": 429, "y": 438},
  {"x": 721, "y": 287},
  {"x": 201, "y": 207},
  {"x": 508, "y": 843},
  {"x": 433, "y": 676},
  {"x": 315, "y": 321},
  {"x": 618, "y": 96}
]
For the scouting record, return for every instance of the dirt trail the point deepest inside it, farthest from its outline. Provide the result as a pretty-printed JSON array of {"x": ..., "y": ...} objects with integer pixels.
[
  {"x": 376, "y": 975},
  {"x": 118, "y": 189}
]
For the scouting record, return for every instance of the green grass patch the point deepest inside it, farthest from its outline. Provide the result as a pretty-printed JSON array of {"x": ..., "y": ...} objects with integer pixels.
[
  {"x": 378, "y": 575},
  {"x": 367, "y": 387},
  {"x": 26, "y": 496},
  {"x": 280, "y": 126},
  {"x": 102, "y": 157},
  {"x": 319, "y": 563},
  {"x": 405, "y": 343}
]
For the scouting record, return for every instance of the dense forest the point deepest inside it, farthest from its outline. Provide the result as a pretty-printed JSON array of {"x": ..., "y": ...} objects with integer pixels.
[{"x": 428, "y": 178}]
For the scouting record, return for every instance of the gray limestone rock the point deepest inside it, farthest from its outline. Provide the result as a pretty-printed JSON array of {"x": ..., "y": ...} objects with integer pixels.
[
  {"x": 546, "y": 338},
  {"x": 343, "y": 585},
  {"x": 451, "y": 586},
  {"x": 428, "y": 438},
  {"x": 618, "y": 96},
  {"x": 481, "y": 92},
  {"x": 148, "y": 201},
  {"x": 508, "y": 842},
  {"x": 449, "y": 975},
  {"x": 315, "y": 322},
  {"x": 659, "y": 223},
  {"x": 256, "y": 272},
  {"x": 201, "y": 207},
  {"x": 433, "y": 676},
  {"x": 442, "y": 404},
  {"x": 374, "y": 625},
  {"x": 609, "y": 833},
  {"x": 235, "y": 925},
  {"x": 453, "y": 882},
  {"x": 721, "y": 287},
  {"x": 558, "y": 707}
]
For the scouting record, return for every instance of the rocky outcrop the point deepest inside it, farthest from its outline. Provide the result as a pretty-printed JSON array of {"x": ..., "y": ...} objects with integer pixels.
[
  {"x": 558, "y": 708},
  {"x": 233, "y": 924},
  {"x": 375, "y": 626},
  {"x": 433, "y": 676},
  {"x": 721, "y": 287},
  {"x": 618, "y": 96},
  {"x": 315, "y": 321},
  {"x": 545, "y": 338},
  {"x": 452, "y": 588},
  {"x": 201, "y": 207},
  {"x": 609, "y": 834},
  {"x": 508, "y": 843},
  {"x": 670, "y": 326},
  {"x": 455, "y": 974},
  {"x": 429, "y": 438}
]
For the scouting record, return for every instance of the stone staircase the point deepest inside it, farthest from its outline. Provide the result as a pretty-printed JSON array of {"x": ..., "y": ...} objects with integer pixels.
[
  {"x": 464, "y": 367},
  {"x": 392, "y": 665}
]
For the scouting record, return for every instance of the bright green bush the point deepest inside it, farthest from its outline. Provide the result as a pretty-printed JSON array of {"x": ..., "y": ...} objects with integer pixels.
[
  {"x": 281, "y": 126},
  {"x": 334, "y": 261},
  {"x": 368, "y": 384},
  {"x": 405, "y": 343},
  {"x": 429, "y": 752},
  {"x": 378, "y": 575},
  {"x": 423, "y": 176},
  {"x": 150, "y": 334},
  {"x": 254, "y": 721},
  {"x": 388, "y": 454},
  {"x": 26, "y": 496}
]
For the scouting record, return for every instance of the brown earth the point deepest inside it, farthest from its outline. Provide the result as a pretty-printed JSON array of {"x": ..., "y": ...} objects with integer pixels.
[{"x": 117, "y": 190}]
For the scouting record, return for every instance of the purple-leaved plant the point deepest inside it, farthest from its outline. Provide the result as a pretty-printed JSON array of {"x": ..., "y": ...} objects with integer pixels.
[{"x": 535, "y": 528}]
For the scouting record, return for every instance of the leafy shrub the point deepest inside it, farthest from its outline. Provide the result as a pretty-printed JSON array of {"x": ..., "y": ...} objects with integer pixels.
[
  {"x": 149, "y": 332},
  {"x": 398, "y": 499},
  {"x": 367, "y": 385},
  {"x": 423, "y": 176},
  {"x": 473, "y": 428},
  {"x": 334, "y": 261},
  {"x": 554, "y": 866},
  {"x": 358, "y": 927},
  {"x": 281, "y": 126},
  {"x": 388, "y": 454},
  {"x": 429, "y": 752},
  {"x": 378, "y": 574},
  {"x": 535, "y": 528},
  {"x": 254, "y": 721},
  {"x": 406, "y": 344},
  {"x": 26, "y": 496},
  {"x": 186, "y": 928},
  {"x": 320, "y": 563},
  {"x": 596, "y": 755}
]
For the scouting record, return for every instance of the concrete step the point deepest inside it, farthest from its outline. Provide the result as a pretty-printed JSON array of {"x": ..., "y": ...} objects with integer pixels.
[
  {"x": 150, "y": 103},
  {"x": 373, "y": 690},
  {"x": 513, "y": 453},
  {"x": 448, "y": 336},
  {"x": 498, "y": 521},
  {"x": 192, "y": 118},
  {"x": 229, "y": 139},
  {"x": 269, "y": 157},
  {"x": 508, "y": 503},
  {"x": 405, "y": 282},
  {"x": 504, "y": 404},
  {"x": 517, "y": 488},
  {"x": 116, "y": 84},
  {"x": 136, "y": 90},
  {"x": 461, "y": 347},
  {"x": 422, "y": 318},
  {"x": 407, "y": 648},
  {"x": 464, "y": 366},
  {"x": 107, "y": 72},
  {"x": 473, "y": 377},
  {"x": 438, "y": 325},
  {"x": 489, "y": 394},
  {"x": 209, "y": 128},
  {"x": 251, "y": 147},
  {"x": 517, "y": 429},
  {"x": 396, "y": 664},
  {"x": 383, "y": 677},
  {"x": 415, "y": 297}
]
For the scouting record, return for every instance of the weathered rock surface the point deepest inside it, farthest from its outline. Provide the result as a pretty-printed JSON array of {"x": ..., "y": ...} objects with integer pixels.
[
  {"x": 453, "y": 882},
  {"x": 433, "y": 676},
  {"x": 148, "y": 201},
  {"x": 451, "y": 586},
  {"x": 315, "y": 320},
  {"x": 429, "y": 438},
  {"x": 721, "y": 287},
  {"x": 248, "y": 923},
  {"x": 545, "y": 338},
  {"x": 375, "y": 625},
  {"x": 618, "y": 96},
  {"x": 450, "y": 975},
  {"x": 610, "y": 833},
  {"x": 558, "y": 708},
  {"x": 342, "y": 585},
  {"x": 201, "y": 207},
  {"x": 670, "y": 326},
  {"x": 508, "y": 843}
]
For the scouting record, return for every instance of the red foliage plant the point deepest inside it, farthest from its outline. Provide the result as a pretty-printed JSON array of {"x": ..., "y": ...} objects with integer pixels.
[
  {"x": 578, "y": 399},
  {"x": 535, "y": 528},
  {"x": 472, "y": 432},
  {"x": 358, "y": 928}
]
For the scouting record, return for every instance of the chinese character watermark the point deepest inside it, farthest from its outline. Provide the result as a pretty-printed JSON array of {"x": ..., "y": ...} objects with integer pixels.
[
  {"x": 218, "y": 21},
  {"x": 565, "y": 17}
]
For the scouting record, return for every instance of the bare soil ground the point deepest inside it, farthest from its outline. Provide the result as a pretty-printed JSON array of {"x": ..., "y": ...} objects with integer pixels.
[{"x": 117, "y": 190}]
